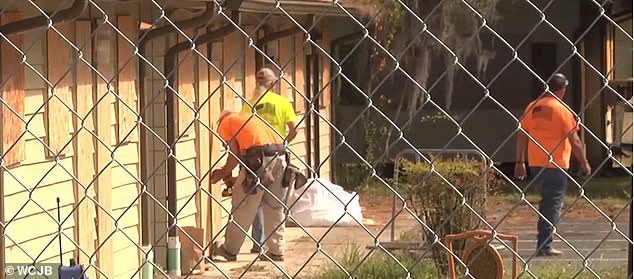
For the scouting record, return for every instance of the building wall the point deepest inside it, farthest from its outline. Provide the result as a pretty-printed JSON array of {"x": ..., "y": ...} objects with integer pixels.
[
  {"x": 88, "y": 171},
  {"x": 186, "y": 172},
  {"x": 290, "y": 56},
  {"x": 105, "y": 157},
  {"x": 200, "y": 151},
  {"x": 38, "y": 174}
]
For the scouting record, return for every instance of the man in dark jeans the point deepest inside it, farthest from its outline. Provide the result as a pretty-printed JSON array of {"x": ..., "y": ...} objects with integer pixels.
[{"x": 552, "y": 128}]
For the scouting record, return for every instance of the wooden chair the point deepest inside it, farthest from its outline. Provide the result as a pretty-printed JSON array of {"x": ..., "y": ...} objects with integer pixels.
[{"x": 488, "y": 261}]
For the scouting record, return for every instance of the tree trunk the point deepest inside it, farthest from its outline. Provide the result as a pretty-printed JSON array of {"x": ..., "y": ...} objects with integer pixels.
[{"x": 395, "y": 120}]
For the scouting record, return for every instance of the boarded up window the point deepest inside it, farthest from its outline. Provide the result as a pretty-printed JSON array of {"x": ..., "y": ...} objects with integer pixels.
[
  {"x": 59, "y": 102},
  {"x": 185, "y": 99},
  {"x": 127, "y": 92},
  {"x": 13, "y": 126}
]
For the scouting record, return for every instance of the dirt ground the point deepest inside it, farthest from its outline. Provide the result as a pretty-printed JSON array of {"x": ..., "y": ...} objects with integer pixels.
[
  {"x": 311, "y": 250},
  {"x": 502, "y": 211}
]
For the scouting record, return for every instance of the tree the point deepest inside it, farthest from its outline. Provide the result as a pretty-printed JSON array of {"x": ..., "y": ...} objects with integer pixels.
[{"x": 415, "y": 31}]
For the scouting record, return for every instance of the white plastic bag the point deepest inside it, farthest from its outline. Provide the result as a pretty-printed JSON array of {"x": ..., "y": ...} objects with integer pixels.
[{"x": 323, "y": 204}]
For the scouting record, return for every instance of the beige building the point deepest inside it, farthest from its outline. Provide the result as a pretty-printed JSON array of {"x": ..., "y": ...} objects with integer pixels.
[{"x": 83, "y": 141}]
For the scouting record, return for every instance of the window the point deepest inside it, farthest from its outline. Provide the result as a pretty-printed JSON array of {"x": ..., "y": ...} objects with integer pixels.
[{"x": 13, "y": 94}]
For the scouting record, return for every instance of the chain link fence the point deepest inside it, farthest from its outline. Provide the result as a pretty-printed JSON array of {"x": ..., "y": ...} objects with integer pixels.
[{"x": 408, "y": 118}]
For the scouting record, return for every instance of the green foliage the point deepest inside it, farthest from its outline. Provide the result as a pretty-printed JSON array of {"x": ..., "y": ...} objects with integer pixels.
[
  {"x": 447, "y": 194},
  {"x": 352, "y": 176},
  {"x": 369, "y": 135},
  {"x": 381, "y": 266},
  {"x": 374, "y": 128},
  {"x": 561, "y": 271},
  {"x": 378, "y": 266},
  {"x": 358, "y": 178}
]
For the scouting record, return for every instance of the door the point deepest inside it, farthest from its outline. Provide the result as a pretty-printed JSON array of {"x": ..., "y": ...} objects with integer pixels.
[{"x": 543, "y": 63}]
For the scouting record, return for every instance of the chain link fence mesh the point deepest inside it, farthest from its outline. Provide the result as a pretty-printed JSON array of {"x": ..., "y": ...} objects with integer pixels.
[{"x": 111, "y": 149}]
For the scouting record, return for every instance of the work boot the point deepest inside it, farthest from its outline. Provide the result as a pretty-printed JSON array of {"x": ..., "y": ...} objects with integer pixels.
[
  {"x": 549, "y": 252},
  {"x": 272, "y": 257},
  {"x": 219, "y": 250}
]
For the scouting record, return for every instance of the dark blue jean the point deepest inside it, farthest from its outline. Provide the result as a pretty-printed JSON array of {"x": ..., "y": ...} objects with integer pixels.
[
  {"x": 257, "y": 230},
  {"x": 552, "y": 185}
]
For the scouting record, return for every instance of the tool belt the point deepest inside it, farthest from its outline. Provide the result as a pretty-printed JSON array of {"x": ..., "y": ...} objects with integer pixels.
[
  {"x": 293, "y": 177},
  {"x": 259, "y": 161}
]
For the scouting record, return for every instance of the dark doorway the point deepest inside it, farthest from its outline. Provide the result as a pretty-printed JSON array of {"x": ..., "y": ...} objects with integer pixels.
[{"x": 544, "y": 63}]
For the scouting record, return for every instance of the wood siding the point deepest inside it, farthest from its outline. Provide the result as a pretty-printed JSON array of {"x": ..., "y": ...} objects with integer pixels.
[
  {"x": 112, "y": 166},
  {"x": 127, "y": 79},
  {"x": 84, "y": 144},
  {"x": 98, "y": 173},
  {"x": 13, "y": 94},
  {"x": 59, "y": 104}
]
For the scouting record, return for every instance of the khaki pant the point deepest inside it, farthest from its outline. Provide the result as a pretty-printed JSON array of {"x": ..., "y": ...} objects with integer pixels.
[{"x": 244, "y": 207}]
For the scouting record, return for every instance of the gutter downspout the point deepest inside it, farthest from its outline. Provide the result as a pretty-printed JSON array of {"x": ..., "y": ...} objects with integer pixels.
[
  {"x": 316, "y": 94},
  {"x": 28, "y": 24},
  {"x": 147, "y": 241},
  {"x": 145, "y": 38},
  {"x": 278, "y": 35},
  {"x": 74, "y": 11},
  {"x": 307, "y": 104},
  {"x": 308, "y": 113},
  {"x": 173, "y": 255}
]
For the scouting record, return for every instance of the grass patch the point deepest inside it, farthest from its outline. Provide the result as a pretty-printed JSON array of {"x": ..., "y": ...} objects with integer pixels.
[
  {"x": 381, "y": 266},
  {"x": 253, "y": 268},
  {"x": 609, "y": 203},
  {"x": 607, "y": 191},
  {"x": 557, "y": 271},
  {"x": 597, "y": 188},
  {"x": 377, "y": 266},
  {"x": 619, "y": 187},
  {"x": 304, "y": 238}
]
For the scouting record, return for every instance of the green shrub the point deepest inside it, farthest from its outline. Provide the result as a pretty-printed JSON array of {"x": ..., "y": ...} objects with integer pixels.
[
  {"x": 553, "y": 271},
  {"x": 358, "y": 178},
  {"x": 352, "y": 176},
  {"x": 444, "y": 195}
]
